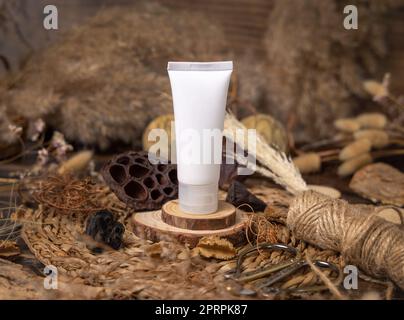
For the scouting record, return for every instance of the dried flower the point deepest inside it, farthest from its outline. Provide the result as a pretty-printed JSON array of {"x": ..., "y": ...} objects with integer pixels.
[
  {"x": 308, "y": 162},
  {"x": 43, "y": 157},
  {"x": 373, "y": 120},
  {"x": 59, "y": 147},
  {"x": 15, "y": 130},
  {"x": 347, "y": 124},
  {"x": 38, "y": 128},
  {"x": 376, "y": 89}
]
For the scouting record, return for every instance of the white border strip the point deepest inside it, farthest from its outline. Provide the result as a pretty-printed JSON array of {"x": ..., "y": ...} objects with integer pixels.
[{"x": 200, "y": 66}]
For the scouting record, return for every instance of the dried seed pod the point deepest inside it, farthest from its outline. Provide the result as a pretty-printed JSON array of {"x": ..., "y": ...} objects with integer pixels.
[
  {"x": 308, "y": 163},
  {"x": 139, "y": 183},
  {"x": 374, "y": 120},
  {"x": 239, "y": 196},
  {"x": 76, "y": 163},
  {"x": 378, "y": 138},
  {"x": 354, "y": 149},
  {"x": 102, "y": 227},
  {"x": 347, "y": 124},
  {"x": 269, "y": 128},
  {"x": 163, "y": 122},
  {"x": 349, "y": 167}
]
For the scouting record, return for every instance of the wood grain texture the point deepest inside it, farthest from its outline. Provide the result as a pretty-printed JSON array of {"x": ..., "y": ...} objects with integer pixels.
[
  {"x": 225, "y": 217},
  {"x": 149, "y": 225}
]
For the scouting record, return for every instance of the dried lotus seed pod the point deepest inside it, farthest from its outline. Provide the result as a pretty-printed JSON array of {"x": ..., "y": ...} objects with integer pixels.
[
  {"x": 269, "y": 128},
  {"x": 308, "y": 163},
  {"x": 162, "y": 122},
  {"x": 139, "y": 183},
  {"x": 347, "y": 124},
  {"x": 355, "y": 149},
  {"x": 378, "y": 138},
  {"x": 349, "y": 167},
  {"x": 372, "y": 120}
]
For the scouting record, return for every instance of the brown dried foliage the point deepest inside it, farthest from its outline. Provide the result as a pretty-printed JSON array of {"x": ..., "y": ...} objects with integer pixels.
[
  {"x": 65, "y": 193},
  {"x": 315, "y": 66},
  {"x": 107, "y": 79}
]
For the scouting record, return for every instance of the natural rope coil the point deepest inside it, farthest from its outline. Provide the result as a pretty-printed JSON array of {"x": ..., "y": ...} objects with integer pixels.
[{"x": 365, "y": 240}]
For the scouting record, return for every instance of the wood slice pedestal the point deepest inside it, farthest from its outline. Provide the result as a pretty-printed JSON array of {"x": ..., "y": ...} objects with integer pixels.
[{"x": 171, "y": 223}]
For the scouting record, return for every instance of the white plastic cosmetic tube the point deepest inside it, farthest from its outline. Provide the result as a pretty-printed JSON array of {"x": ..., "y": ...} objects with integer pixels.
[{"x": 199, "y": 91}]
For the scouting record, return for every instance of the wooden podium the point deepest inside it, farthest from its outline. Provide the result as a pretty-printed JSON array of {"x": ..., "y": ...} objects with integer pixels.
[{"x": 170, "y": 223}]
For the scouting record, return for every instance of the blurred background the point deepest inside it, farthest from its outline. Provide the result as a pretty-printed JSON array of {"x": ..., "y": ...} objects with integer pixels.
[{"x": 101, "y": 77}]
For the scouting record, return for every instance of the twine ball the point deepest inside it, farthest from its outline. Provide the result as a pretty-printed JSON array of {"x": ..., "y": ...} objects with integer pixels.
[{"x": 371, "y": 243}]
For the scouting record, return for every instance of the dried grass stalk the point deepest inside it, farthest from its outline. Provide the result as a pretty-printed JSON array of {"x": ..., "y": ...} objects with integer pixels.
[{"x": 272, "y": 163}]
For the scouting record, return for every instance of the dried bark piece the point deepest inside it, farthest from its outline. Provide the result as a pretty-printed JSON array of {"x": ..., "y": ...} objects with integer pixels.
[
  {"x": 215, "y": 247},
  {"x": 239, "y": 196},
  {"x": 139, "y": 183},
  {"x": 379, "y": 182}
]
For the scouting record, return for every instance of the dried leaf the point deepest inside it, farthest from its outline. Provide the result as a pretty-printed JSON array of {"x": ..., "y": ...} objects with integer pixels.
[
  {"x": 8, "y": 249},
  {"x": 215, "y": 247},
  {"x": 154, "y": 250}
]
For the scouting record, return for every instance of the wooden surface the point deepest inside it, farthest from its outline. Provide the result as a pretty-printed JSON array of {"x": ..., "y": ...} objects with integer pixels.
[
  {"x": 225, "y": 217},
  {"x": 149, "y": 225}
]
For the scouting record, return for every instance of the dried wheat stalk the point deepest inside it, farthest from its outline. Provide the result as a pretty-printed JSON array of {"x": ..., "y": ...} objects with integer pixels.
[{"x": 272, "y": 163}]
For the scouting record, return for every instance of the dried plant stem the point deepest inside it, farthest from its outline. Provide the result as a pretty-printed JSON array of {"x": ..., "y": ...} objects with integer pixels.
[
  {"x": 272, "y": 163},
  {"x": 375, "y": 154},
  {"x": 8, "y": 180},
  {"x": 334, "y": 142}
]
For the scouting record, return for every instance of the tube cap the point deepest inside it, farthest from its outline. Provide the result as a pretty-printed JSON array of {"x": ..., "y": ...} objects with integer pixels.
[{"x": 198, "y": 199}]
